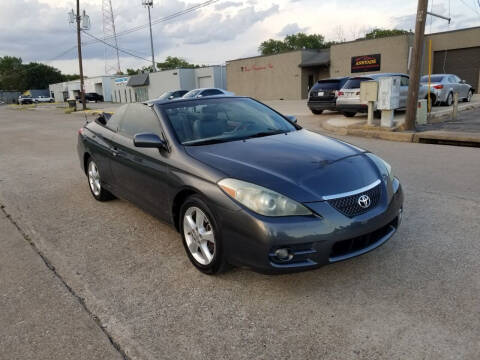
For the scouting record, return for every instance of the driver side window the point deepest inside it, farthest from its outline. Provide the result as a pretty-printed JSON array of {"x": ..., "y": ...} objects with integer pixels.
[{"x": 139, "y": 118}]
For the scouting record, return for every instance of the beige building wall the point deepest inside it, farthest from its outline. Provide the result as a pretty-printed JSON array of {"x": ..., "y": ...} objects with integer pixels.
[
  {"x": 457, "y": 39},
  {"x": 271, "y": 77},
  {"x": 393, "y": 50}
]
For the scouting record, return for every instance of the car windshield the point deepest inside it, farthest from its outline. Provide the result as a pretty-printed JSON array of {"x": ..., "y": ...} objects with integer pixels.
[
  {"x": 355, "y": 82},
  {"x": 327, "y": 85},
  {"x": 216, "y": 120},
  {"x": 191, "y": 94},
  {"x": 433, "y": 79}
]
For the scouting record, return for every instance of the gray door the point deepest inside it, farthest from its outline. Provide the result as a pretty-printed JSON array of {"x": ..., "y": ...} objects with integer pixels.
[
  {"x": 404, "y": 80},
  {"x": 465, "y": 63}
]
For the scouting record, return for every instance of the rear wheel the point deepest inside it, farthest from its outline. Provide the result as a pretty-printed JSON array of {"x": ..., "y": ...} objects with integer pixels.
[
  {"x": 449, "y": 100},
  {"x": 201, "y": 236},
  {"x": 95, "y": 182},
  {"x": 348, "y": 113},
  {"x": 317, "y": 112}
]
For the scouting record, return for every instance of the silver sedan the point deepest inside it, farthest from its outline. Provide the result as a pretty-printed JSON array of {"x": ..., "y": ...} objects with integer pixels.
[{"x": 443, "y": 86}]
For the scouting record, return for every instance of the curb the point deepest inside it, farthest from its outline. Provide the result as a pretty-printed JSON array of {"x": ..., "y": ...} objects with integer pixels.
[
  {"x": 440, "y": 116},
  {"x": 369, "y": 132}
]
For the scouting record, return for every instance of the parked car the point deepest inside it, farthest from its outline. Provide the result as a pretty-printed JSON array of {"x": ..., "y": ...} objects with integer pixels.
[
  {"x": 43, "y": 99},
  {"x": 323, "y": 95},
  {"x": 243, "y": 184},
  {"x": 91, "y": 97},
  {"x": 197, "y": 93},
  {"x": 443, "y": 86},
  {"x": 348, "y": 100},
  {"x": 25, "y": 99},
  {"x": 169, "y": 95}
]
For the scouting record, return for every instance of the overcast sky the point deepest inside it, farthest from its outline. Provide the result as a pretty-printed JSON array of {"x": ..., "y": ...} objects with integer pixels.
[{"x": 38, "y": 30}]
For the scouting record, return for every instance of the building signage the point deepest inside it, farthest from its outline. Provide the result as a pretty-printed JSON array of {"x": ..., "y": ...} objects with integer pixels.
[
  {"x": 256, "y": 68},
  {"x": 366, "y": 63},
  {"x": 121, "y": 81}
]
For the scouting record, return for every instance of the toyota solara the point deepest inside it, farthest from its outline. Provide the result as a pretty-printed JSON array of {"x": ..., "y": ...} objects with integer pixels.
[{"x": 243, "y": 184}]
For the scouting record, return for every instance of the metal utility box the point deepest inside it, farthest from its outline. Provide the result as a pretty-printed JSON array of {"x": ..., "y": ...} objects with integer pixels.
[
  {"x": 422, "y": 112},
  {"x": 368, "y": 91},
  {"x": 388, "y": 93}
]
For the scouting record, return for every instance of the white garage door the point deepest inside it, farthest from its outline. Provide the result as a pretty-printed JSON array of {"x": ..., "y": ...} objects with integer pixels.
[{"x": 205, "y": 81}]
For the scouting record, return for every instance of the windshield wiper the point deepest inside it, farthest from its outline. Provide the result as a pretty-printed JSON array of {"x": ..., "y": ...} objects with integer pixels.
[
  {"x": 266, "y": 133},
  {"x": 206, "y": 142}
]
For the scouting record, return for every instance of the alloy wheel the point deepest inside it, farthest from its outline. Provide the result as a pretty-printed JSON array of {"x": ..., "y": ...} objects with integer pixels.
[
  {"x": 449, "y": 99},
  {"x": 94, "y": 178},
  {"x": 199, "y": 235}
]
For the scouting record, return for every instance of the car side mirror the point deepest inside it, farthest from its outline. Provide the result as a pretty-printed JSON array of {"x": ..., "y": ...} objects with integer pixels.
[
  {"x": 292, "y": 118},
  {"x": 149, "y": 140},
  {"x": 463, "y": 82},
  {"x": 170, "y": 97}
]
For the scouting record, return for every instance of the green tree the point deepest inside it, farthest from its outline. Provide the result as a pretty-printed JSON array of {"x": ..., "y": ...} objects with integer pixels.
[
  {"x": 39, "y": 76},
  {"x": 381, "y": 33},
  {"x": 10, "y": 73},
  {"x": 173, "y": 62},
  {"x": 14, "y": 75},
  {"x": 293, "y": 42}
]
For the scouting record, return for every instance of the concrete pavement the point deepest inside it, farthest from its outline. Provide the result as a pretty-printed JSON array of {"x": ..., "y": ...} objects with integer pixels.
[
  {"x": 40, "y": 317},
  {"x": 416, "y": 297}
]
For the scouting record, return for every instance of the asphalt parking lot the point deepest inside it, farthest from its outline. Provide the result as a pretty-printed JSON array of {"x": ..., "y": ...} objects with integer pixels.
[{"x": 120, "y": 284}]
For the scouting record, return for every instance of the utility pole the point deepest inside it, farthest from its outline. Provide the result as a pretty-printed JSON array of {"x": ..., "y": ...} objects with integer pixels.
[
  {"x": 149, "y": 4},
  {"x": 80, "y": 63},
  {"x": 415, "y": 69}
]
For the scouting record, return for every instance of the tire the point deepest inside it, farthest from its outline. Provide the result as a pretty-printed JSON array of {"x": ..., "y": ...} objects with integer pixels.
[
  {"x": 348, "y": 113},
  {"x": 469, "y": 96},
  {"x": 449, "y": 100},
  {"x": 204, "y": 251},
  {"x": 317, "y": 112},
  {"x": 94, "y": 182},
  {"x": 432, "y": 100}
]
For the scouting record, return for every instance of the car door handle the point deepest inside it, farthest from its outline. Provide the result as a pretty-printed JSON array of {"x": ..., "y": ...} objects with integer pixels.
[{"x": 115, "y": 151}]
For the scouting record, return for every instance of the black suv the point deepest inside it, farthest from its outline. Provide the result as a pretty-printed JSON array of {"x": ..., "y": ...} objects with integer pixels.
[
  {"x": 91, "y": 97},
  {"x": 323, "y": 95}
]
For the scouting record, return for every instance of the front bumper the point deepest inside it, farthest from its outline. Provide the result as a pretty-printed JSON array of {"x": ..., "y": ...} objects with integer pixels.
[{"x": 251, "y": 240}]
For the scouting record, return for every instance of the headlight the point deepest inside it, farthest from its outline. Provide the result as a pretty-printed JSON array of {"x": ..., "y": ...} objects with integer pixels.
[
  {"x": 261, "y": 200},
  {"x": 384, "y": 167}
]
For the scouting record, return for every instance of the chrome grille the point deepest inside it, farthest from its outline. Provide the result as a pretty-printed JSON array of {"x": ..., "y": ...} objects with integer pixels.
[{"x": 349, "y": 206}]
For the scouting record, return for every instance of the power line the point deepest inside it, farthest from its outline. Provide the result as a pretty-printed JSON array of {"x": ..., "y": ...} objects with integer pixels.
[
  {"x": 160, "y": 20},
  {"x": 116, "y": 47}
]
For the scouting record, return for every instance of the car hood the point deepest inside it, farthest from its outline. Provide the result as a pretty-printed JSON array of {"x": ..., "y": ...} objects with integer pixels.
[{"x": 302, "y": 165}]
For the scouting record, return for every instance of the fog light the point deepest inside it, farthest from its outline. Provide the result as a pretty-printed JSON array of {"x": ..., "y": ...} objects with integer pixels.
[
  {"x": 283, "y": 254},
  {"x": 400, "y": 216}
]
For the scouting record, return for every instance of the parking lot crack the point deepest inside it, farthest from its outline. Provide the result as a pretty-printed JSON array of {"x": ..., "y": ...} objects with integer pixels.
[{"x": 52, "y": 268}]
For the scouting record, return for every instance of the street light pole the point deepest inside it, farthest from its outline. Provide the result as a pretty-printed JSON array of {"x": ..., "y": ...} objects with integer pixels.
[
  {"x": 80, "y": 63},
  {"x": 415, "y": 70},
  {"x": 149, "y": 4}
]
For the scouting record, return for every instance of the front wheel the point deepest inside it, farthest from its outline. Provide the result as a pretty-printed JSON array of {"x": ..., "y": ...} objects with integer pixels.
[
  {"x": 317, "y": 112},
  {"x": 95, "y": 182},
  {"x": 348, "y": 114},
  {"x": 469, "y": 96},
  {"x": 201, "y": 236}
]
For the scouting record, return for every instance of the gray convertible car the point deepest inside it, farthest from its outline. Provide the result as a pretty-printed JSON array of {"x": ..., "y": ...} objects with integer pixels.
[{"x": 243, "y": 184}]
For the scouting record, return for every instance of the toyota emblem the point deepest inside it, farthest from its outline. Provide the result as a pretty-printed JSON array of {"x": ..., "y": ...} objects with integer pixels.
[{"x": 364, "y": 201}]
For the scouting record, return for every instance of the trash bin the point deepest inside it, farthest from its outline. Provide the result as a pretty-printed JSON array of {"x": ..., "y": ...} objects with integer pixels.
[
  {"x": 422, "y": 112},
  {"x": 72, "y": 104}
]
